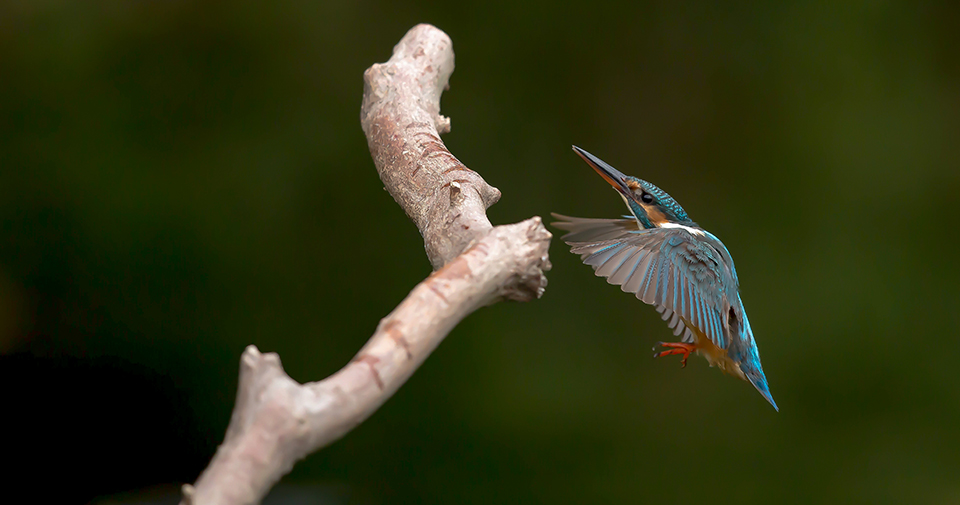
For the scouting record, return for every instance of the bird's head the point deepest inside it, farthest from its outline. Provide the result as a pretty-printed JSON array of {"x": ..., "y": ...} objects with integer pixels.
[{"x": 649, "y": 204}]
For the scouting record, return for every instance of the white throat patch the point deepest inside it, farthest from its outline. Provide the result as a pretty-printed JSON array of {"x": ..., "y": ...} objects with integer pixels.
[{"x": 693, "y": 231}]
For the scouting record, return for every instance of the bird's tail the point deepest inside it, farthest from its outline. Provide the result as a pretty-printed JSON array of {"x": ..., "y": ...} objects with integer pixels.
[
  {"x": 750, "y": 364},
  {"x": 759, "y": 381}
]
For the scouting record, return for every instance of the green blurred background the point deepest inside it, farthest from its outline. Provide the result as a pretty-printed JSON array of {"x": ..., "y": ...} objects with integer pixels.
[{"x": 180, "y": 180}]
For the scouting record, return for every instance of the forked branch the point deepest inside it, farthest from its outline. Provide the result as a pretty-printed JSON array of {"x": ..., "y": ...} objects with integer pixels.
[{"x": 277, "y": 421}]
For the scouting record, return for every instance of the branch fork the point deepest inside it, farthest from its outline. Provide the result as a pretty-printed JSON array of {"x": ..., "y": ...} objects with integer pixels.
[{"x": 277, "y": 421}]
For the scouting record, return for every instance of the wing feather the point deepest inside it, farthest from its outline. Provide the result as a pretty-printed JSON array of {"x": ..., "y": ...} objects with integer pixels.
[
  {"x": 686, "y": 277},
  {"x": 590, "y": 230},
  {"x": 626, "y": 270},
  {"x": 600, "y": 257},
  {"x": 632, "y": 285}
]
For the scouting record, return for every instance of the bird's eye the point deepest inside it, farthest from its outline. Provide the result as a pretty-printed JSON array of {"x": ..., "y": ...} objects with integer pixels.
[{"x": 646, "y": 197}]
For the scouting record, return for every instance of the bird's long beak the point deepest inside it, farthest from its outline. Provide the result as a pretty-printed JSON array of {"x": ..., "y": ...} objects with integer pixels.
[{"x": 616, "y": 178}]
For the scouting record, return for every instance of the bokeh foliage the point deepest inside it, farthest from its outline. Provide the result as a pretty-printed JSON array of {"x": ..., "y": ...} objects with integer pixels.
[{"x": 181, "y": 179}]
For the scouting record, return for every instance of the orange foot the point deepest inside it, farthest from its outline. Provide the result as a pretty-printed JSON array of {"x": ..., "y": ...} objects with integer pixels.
[{"x": 676, "y": 348}]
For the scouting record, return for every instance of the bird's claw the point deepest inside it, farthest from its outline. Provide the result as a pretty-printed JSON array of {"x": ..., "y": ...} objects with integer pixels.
[{"x": 676, "y": 348}]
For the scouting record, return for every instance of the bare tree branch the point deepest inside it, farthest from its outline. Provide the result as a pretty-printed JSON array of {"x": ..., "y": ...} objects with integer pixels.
[
  {"x": 401, "y": 117},
  {"x": 277, "y": 421}
]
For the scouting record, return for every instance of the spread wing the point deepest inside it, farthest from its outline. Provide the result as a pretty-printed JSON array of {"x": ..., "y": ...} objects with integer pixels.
[
  {"x": 686, "y": 277},
  {"x": 587, "y": 230}
]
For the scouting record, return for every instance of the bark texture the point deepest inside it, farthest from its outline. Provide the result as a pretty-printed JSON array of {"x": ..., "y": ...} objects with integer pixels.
[{"x": 277, "y": 421}]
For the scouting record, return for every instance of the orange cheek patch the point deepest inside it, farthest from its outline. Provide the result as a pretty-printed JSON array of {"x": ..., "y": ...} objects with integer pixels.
[{"x": 656, "y": 217}]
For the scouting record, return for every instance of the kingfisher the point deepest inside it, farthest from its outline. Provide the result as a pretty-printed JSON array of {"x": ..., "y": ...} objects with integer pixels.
[{"x": 659, "y": 254}]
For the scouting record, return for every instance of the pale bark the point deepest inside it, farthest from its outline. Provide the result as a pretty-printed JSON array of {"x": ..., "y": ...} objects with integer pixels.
[{"x": 277, "y": 421}]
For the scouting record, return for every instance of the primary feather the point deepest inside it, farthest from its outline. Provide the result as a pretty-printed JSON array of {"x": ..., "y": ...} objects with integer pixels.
[
  {"x": 660, "y": 255},
  {"x": 689, "y": 278}
]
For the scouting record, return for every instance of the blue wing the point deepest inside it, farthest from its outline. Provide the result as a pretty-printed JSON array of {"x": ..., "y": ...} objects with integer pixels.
[
  {"x": 687, "y": 277},
  {"x": 584, "y": 229}
]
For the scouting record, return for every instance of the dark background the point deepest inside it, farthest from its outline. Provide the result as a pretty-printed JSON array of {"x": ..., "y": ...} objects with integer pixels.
[{"x": 180, "y": 180}]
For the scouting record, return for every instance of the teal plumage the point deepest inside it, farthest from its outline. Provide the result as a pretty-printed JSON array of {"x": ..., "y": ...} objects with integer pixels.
[{"x": 669, "y": 262}]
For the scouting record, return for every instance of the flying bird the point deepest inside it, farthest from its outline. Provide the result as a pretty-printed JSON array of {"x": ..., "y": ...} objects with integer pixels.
[{"x": 658, "y": 253}]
